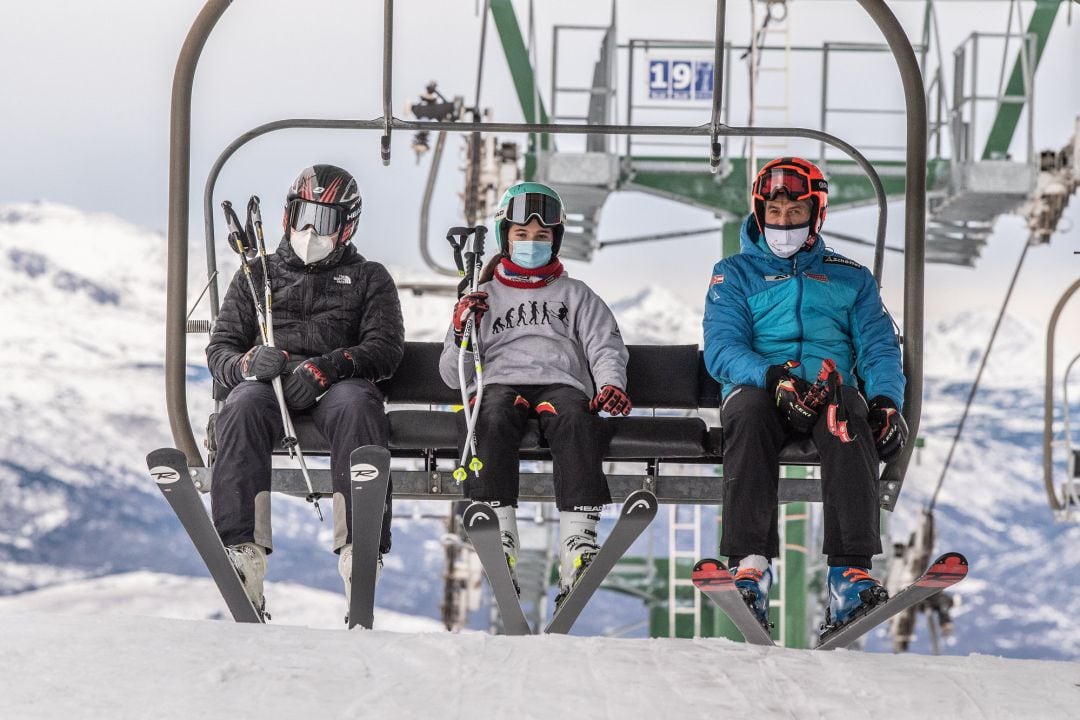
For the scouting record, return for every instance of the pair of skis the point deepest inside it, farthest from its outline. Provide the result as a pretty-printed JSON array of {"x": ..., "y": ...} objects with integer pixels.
[
  {"x": 482, "y": 527},
  {"x": 716, "y": 582},
  {"x": 369, "y": 481}
]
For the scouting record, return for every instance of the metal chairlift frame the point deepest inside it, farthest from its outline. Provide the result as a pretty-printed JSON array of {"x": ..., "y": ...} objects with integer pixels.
[
  {"x": 1062, "y": 506},
  {"x": 180, "y": 177}
]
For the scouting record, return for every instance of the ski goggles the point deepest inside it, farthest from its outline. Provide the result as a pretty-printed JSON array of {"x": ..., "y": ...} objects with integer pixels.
[
  {"x": 792, "y": 181},
  {"x": 522, "y": 208},
  {"x": 323, "y": 219}
]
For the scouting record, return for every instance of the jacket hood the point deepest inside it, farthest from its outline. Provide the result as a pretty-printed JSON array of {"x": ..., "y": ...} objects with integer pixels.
[{"x": 752, "y": 242}]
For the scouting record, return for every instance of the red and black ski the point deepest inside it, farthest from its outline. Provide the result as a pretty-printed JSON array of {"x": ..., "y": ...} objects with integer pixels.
[
  {"x": 944, "y": 572},
  {"x": 716, "y": 582}
]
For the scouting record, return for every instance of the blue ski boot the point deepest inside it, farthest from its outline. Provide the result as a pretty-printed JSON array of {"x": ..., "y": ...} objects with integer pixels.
[
  {"x": 754, "y": 586},
  {"x": 851, "y": 589}
]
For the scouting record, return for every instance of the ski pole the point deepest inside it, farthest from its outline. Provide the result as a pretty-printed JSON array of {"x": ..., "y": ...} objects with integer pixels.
[
  {"x": 238, "y": 241},
  {"x": 255, "y": 226},
  {"x": 468, "y": 245}
]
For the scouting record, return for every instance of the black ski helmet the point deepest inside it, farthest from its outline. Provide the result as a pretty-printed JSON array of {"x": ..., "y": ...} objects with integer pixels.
[{"x": 327, "y": 185}]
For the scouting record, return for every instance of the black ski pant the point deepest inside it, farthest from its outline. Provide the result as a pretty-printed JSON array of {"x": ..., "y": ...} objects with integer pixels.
[
  {"x": 754, "y": 433},
  {"x": 575, "y": 435},
  {"x": 350, "y": 414}
]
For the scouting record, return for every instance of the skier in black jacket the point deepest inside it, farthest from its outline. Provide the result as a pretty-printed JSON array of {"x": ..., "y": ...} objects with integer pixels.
[{"x": 337, "y": 330}]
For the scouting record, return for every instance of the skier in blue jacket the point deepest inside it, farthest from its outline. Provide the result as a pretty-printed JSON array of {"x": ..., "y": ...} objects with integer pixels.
[{"x": 773, "y": 314}]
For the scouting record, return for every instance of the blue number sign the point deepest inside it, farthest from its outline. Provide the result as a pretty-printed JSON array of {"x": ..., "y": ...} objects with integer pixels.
[{"x": 659, "y": 79}]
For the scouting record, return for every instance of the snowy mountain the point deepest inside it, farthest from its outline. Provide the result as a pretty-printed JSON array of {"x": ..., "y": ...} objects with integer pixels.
[{"x": 82, "y": 402}]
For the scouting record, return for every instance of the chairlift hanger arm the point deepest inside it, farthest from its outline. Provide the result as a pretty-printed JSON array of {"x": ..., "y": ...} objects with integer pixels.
[{"x": 1048, "y": 402}]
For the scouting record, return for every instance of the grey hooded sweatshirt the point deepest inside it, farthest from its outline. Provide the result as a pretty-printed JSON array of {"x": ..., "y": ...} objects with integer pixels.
[{"x": 560, "y": 333}]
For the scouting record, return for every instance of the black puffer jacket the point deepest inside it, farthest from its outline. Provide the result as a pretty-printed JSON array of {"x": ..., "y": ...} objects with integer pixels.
[{"x": 343, "y": 301}]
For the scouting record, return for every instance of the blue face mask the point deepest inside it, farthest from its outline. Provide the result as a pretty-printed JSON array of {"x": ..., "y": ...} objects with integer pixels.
[{"x": 530, "y": 253}]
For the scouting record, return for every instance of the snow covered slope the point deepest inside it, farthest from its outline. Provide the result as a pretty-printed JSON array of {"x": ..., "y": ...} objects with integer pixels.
[
  {"x": 58, "y": 667},
  {"x": 182, "y": 598}
]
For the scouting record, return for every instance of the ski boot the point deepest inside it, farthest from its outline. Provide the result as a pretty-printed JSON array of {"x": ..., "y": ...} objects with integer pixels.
[
  {"x": 344, "y": 567},
  {"x": 508, "y": 534},
  {"x": 578, "y": 566},
  {"x": 577, "y": 546},
  {"x": 249, "y": 560},
  {"x": 754, "y": 585},
  {"x": 851, "y": 589},
  {"x": 511, "y": 562}
]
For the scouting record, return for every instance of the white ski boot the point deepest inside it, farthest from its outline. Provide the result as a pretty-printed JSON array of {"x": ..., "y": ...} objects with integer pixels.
[
  {"x": 577, "y": 547},
  {"x": 344, "y": 567},
  {"x": 508, "y": 532},
  {"x": 249, "y": 560}
]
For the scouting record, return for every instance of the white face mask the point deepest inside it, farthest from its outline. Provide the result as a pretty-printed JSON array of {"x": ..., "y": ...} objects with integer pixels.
[
  {"x": 309, "y": 247},
  {"x": 786, "y": 240}
]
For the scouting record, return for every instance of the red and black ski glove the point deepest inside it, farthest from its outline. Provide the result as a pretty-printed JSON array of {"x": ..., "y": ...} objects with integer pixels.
[
  {"x": 789, "y": 392},
  {"x": 475, "y": 304},
  {"x": 343, "y": 362},
  {"x": 611, "y": 400},
  {"x": 888, "y": 426},
  {"x": 261, "y": 363},
  {"x": 307, "y": 381}
]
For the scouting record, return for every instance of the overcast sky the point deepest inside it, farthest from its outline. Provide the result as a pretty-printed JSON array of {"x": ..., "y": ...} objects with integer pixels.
[{"x": 86, "y": 89}]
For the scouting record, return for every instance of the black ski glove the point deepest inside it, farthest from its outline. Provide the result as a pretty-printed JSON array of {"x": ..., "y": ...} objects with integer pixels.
[
  {"x": 888, "y": 426},
  {"x": 308, "y": 381},
  {"x": 261, "y": 363},
  {"x": 789, "y": 392},
  {"x": 342, "y": 360}
]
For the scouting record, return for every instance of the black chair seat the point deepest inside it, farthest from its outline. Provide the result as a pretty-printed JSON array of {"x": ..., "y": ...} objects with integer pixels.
[
  {"x": 443, "y": 430},
  {"x": 657, "y": 437},
  {"x": 634, "y": 437}
]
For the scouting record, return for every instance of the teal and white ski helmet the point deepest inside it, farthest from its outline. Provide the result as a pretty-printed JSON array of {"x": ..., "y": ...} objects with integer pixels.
[{"x": 520, "y": 203}]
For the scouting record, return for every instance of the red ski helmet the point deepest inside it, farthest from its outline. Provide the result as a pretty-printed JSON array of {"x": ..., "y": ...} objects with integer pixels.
[{"x": 798, "y": 179}]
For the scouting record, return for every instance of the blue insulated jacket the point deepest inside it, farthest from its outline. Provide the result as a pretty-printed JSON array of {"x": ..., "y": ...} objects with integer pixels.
[{"x": 764, "y": 310}]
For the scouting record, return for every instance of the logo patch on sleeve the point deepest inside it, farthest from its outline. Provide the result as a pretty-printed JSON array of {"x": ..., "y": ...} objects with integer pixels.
[
  {"x": 840, "y": 260},
  {"x": 717, "y": 280}
]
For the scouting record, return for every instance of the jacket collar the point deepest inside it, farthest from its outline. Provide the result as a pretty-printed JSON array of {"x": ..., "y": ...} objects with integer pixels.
[
  {"x": 752, "y": 242},
  {"x": 340, "y": 255}
]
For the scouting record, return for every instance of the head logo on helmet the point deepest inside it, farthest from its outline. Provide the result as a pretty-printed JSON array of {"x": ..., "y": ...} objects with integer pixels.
[
  {"x": 523, "y": 202},
  {"x": 797, "y": 179},
  {"x": 332, "y": 186}
]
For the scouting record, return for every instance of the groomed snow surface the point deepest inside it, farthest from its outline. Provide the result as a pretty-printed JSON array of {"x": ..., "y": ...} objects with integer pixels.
[{"x": 89, "y": 649}]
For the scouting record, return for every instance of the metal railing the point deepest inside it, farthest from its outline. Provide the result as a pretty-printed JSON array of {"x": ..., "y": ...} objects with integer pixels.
[{"x": 967, "y": 96}]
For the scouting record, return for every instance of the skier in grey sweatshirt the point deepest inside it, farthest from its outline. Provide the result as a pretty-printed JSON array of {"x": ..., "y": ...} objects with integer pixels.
[{"x": 551, "y": 350}]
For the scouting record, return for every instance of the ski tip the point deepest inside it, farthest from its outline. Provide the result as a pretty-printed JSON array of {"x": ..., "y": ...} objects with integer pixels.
[
  {"x": 477, "y": 511},
  {"x": 165, "y": 456},
  {"x": 952, "y": 559},
  {"x": 948, "y": 569},
  {"x": 367, "y": 453},
  {"x": 709, "y": 566},
  {"x": 640, "y": 501}
]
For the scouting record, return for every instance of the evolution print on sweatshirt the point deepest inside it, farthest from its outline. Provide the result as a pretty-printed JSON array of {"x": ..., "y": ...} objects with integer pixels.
[{"x": 533, "y": 312}]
